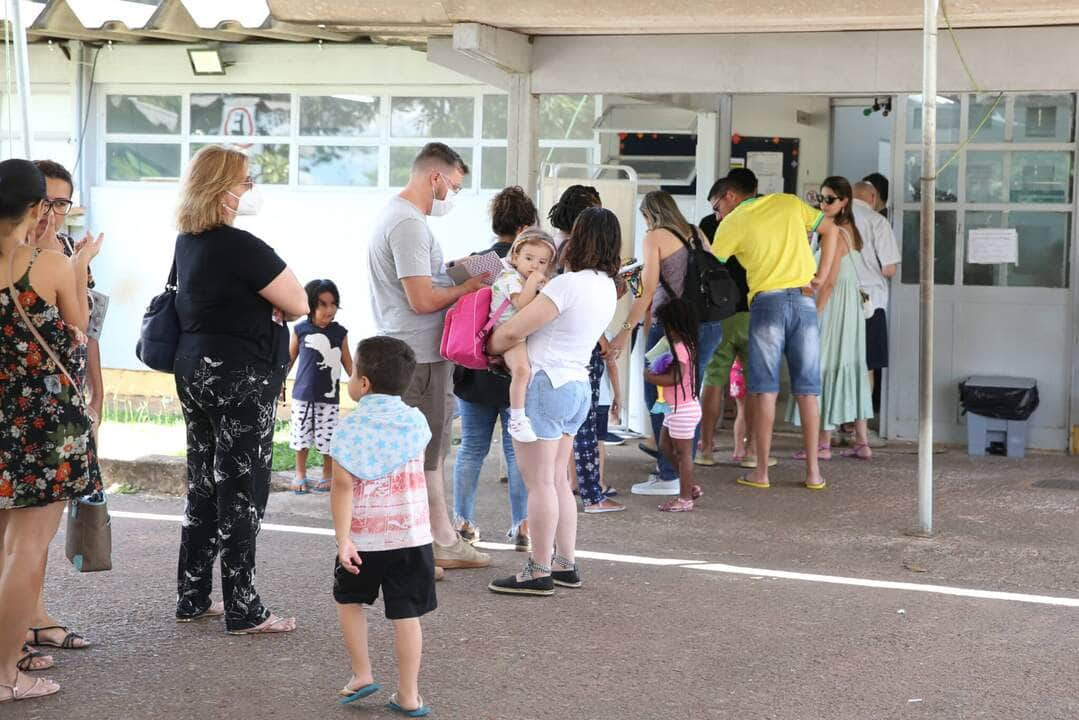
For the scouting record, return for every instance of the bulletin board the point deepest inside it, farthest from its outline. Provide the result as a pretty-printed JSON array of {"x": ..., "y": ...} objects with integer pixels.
[{"x": 775, "y": 161}]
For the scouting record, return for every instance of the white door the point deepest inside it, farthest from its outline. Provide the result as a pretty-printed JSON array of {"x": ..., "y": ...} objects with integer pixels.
[{"x": 1017, "y": 172}]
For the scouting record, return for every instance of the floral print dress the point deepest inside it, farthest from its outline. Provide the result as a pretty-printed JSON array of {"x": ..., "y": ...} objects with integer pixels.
[{"x": 47, "y": 453}]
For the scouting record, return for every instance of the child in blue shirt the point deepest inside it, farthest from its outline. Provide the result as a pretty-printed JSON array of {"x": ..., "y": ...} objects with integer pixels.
[{"x": 322, "y": 348}]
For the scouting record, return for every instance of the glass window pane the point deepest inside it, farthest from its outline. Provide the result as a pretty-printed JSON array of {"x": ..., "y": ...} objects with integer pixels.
[
  {"x": 985, "y": 177},
  {"x": 143, "y": 114},
  {"x": 1044, "y": 118},
  {"x": 495, "y": 116},
  {"x": 1041, "y": 177},
  {"x": 267, "y": 164},
  {"x": 565, "y": 155},
  {"x": 980, "y": 106},
  {"x": 983, "y": 274},
  {"x": 339, "y": 115},
  {"x": 142, "y": 161},
  {"x": 240, "y": 115},
  {"x": 494, "y": 168},
  {"x": 944, "y": 247},
  {"x": 1044, "y": 249},
  {"x": 947, "y": 118},
  {"x": 437, "y": 117},
  {"x": 567, "y": 117},
  {"x": 401, "y": 163},
  {"x": 947, "y": 181},
  {"x": 329, "y": 165}
]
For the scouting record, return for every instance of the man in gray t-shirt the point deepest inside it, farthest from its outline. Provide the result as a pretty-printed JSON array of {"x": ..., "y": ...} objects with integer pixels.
[{"x": 409, "y": 294}]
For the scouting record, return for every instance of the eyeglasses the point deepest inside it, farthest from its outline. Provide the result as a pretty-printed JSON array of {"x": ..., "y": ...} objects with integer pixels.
[
  {"x": 828, "y": 199},
  {"x": 453, "y": 188},
  {"x": 60, "y": 206},
  {"x": 248, "y": 182}
]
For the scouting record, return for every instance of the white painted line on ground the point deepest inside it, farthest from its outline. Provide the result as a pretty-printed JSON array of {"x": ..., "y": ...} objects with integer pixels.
[{"x": 708, "y": 567}]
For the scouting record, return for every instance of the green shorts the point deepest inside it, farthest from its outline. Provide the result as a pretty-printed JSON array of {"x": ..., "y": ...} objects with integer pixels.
[{"x": 735, "y": 344}]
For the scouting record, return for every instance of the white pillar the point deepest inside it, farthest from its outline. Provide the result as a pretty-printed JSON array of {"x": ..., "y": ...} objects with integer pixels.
[
  {"x": 522, "y": 137},
  {"x": 929, "y": 204},
  {"x": 22, "y": 76},
  {"x": 708, "y": 170}
]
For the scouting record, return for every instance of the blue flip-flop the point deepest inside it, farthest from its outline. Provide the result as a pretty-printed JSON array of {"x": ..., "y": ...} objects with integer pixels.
[
  {"x": 299, "y": 488},
  {"x": 421, "y": 711},
  {"x": 359, "y": 694}
]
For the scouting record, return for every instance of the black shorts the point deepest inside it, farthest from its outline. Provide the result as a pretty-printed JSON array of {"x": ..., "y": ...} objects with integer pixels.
[
  {"x": 406, "y": 576},
  {"x": 876, "y": 341}
]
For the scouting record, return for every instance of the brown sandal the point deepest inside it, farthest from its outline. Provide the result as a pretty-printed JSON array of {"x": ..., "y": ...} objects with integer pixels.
[{"x": 40, "y": 688}]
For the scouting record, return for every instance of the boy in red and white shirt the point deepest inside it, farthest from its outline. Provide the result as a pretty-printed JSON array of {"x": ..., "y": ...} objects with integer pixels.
[{"x": 381, "y": 518}]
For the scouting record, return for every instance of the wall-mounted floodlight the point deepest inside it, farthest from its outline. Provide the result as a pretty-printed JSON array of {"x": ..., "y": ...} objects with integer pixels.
[{"x": 206, "y": 61}]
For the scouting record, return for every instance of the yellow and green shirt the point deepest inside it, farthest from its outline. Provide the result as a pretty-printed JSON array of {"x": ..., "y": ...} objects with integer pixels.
[{"x": 769, "y": 236}]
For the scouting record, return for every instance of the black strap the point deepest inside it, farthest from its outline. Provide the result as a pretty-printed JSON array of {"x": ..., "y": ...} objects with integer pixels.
[
  {"x": 170, "y": 284},
  {"x": 689, "y": 248}
]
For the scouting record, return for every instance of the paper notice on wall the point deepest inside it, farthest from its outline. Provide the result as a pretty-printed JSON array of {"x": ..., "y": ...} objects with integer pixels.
[
  {"x": 993, "y": 246},
  {"x": 768, "y": 167}
]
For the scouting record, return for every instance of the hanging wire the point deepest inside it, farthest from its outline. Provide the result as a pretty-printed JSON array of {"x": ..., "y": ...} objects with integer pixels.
[
  {"x": 977, "y": 88},
  {"x": 9, "y": 84},
  {"x": 86, "y": 114}
]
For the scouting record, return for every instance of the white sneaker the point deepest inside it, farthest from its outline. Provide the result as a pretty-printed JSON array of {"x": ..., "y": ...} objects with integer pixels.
[
  {"x": 521, "y": 430},
  {"x": 654, "y": 486}
]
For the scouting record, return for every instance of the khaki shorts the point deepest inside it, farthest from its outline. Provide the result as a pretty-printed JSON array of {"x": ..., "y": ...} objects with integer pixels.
[{"x": 430, "y": 392}]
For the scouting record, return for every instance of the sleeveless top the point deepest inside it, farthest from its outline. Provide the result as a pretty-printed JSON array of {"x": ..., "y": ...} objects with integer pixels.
[
  {"x": 672, "y": 269},
  {"x": 47, "y": 452}
]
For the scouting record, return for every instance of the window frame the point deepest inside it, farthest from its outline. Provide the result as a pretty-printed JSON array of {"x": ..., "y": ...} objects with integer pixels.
[
  {"x": 961, "y": 207},
  {"x": 383, "y": 140}
]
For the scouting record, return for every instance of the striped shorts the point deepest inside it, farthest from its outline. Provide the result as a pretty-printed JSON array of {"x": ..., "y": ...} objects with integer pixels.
[{"x": 683, "y": 420}]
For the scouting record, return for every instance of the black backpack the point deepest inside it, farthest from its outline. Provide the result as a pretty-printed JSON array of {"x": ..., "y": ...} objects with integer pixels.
[{"x": 709, "y": 286}]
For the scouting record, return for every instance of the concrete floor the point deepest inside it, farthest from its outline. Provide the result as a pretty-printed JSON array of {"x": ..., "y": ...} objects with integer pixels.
[{"x": 639, "y": 640}]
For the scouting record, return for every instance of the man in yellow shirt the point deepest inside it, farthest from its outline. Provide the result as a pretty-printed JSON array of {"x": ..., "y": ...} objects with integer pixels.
[{"x": 769, "y": 235}]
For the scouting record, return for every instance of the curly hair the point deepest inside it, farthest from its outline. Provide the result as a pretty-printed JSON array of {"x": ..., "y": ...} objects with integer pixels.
[
  {"x": 574, "y": 200},
  {"x": 595, "y": 242},
  {"x": 512, "y": 210},
  {"x": 680, "y": 324}
]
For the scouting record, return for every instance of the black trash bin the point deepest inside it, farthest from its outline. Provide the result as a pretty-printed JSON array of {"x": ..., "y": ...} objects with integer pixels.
[{"x": 997, "y": 410}]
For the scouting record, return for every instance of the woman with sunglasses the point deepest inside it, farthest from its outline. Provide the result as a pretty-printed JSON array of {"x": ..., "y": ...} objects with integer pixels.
[
  {"x": 233, "y": 297},
  {"x": 845, "y": 392}
]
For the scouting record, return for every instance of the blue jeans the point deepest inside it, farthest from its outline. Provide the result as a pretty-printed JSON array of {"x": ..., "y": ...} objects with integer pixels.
[
  {"x": 784, "y": 322},
  {"x": 709, "y": 337},
  {"x": 477, "y": 426}
]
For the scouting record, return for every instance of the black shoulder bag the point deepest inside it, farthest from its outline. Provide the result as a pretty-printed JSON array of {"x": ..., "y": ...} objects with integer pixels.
[{"x": 160, "y": 334}]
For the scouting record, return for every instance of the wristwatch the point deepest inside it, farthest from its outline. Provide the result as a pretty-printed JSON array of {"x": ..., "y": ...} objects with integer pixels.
[{"x": 626, "y": 325}]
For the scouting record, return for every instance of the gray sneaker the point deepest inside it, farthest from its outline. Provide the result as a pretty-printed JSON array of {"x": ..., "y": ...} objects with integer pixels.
[{"x": 460, "y": 555}]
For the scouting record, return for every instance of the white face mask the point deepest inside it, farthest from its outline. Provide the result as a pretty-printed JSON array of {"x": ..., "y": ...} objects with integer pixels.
[
  {"x": 247, "y": 204},
  {"x": 440, "y": 208}
]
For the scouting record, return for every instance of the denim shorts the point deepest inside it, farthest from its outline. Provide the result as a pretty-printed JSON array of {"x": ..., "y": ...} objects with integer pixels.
[
  {"x": 555, "y": 412},
  {"x": 784, "y": 322}
]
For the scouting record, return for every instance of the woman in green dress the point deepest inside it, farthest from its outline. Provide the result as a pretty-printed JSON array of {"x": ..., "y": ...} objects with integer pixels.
[{"x": 845, "y": 392}]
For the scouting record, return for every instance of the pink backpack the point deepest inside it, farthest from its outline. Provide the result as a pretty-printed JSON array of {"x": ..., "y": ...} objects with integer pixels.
[{"x": 468, "y": 325}]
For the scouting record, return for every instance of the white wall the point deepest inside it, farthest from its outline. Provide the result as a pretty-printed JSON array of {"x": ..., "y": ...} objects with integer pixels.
[{"x": 774, "y": 115}]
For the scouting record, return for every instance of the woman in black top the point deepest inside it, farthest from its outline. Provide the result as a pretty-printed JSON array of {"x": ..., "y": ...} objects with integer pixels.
[
  {"x": 484, "y": 397},
  {"x": 234, "y": 296}
]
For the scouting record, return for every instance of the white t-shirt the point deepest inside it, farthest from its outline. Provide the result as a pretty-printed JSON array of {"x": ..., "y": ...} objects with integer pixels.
[
  {"x": 562, "y": 348},
  {"x": 879, "y": 248}
]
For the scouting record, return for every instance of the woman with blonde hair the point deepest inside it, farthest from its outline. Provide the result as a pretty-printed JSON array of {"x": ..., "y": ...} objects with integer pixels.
[
  {"x": 663, "y": 276},
  {"x": 233, "y": 297}
]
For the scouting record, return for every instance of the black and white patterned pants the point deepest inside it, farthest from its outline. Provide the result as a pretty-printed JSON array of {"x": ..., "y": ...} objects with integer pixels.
[{"x": 229, "y": 411}]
